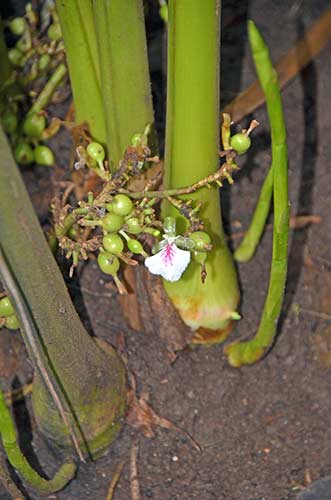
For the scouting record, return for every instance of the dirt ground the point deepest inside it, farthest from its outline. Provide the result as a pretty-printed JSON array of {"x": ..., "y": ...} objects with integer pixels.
[{"x": 264, "y": 430}]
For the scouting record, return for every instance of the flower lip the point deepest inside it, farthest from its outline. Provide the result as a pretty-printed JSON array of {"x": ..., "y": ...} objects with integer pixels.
[{"x": 170, "y": 262}]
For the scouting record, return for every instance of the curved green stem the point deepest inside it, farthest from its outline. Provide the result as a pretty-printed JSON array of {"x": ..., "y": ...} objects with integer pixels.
[
  {"x": 247, "y": 247},
  {"x": 49, "y": 89},
  {"x": 20, "y": 463},
  {"x": 249, "y": 352},
  {"x": 192, "y": 145}
]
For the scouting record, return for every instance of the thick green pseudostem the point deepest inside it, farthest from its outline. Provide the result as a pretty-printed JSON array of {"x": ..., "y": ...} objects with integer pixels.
[
  {"x": 125, "y": 84},
  {"x": 192, "y": 145},
  {"x": 20, "y": 463},
  {"x": 250, "y": 351},
  {"x": 247, "y": 247},
  {"x": 92, "y": 379},
  {"x": 77, "y": 23}
]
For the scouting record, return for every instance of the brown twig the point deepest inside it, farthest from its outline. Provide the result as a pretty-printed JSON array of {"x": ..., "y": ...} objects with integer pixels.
[
  {"x": 134, "y": 479},
  {"x": 316, "y": 314},
  {"x": 287, "y": 67},
  {"x": 114, "y": 481},
  {"x": 296, "y": 222}
]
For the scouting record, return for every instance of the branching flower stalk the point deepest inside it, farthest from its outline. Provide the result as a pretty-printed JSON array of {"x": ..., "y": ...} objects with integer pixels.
[{"x": 121, "y": 223}]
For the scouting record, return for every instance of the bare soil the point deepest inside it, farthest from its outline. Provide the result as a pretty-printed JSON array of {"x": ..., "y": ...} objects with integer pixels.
[{"x": 264, "y": 430}]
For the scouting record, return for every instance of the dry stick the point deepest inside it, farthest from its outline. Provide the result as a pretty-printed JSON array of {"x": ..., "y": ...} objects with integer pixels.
[
  {"x": 134, "y": 480},
  {"x": 36, "y": 348},
  {"x": 296, "y": 222},
  {"x": 114, "y": 481},
  {"x": 287, "y": 67},
  {"x": 317, "y": 314}
]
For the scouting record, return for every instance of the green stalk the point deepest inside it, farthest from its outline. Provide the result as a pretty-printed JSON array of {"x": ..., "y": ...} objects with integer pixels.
[
  {"x": 192, "y": 145},
  {"x": 247, "y": 247},
  {"x": 125, "y": 84},
  {"x": 20, "y": 463},
  {"x": 45, "y": 95},
  {"x": 90, "y": 380},
  {"x": 77, "y": 24},
  {"x": 250, "y": 351}
]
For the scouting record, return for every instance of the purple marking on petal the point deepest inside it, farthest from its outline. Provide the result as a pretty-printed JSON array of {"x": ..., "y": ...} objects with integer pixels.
[{"x": 168, "y": 253}]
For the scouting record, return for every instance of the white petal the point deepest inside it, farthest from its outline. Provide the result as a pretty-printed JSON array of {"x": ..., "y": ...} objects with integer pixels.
[{"x": 170, "y": 262}]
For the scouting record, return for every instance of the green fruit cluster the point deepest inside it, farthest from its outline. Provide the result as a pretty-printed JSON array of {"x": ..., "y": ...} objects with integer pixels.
[
  {"x": 8, "y": 317},
  {"x": 119, "y": 224},
  {"x": 34, "y": 57}
]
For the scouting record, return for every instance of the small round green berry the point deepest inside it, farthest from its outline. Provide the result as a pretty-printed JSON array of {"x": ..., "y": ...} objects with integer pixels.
[
  {"x": 43, "y": 155},
  {"x": 17, "y": 26},
  {"x": 12, "y": 322},
  {"x": 54, "y": 32},
  {"x": 9, "y": 121},
  {"x": 34, "y": 125},
  {"x": 44, "y": 62},
  {"x": 15, "y": 56},
  {"x": 6, "y": 307},
  {"x": 240, "y": 143},
  {"x": 96, "y": 151},
  {"x": 199, "y": 257},
  {"x": 133, "y": 226},
  {"x": 113, "y": 243},
  {"x": 108, "y": 263},
  {"x": 201, "y": 240},
  {"x": 135, "y": 246},
  {"x": 122, "y": 205},
  {"x": 112, "y": 223},
  {"x": 24, "y": 154}
]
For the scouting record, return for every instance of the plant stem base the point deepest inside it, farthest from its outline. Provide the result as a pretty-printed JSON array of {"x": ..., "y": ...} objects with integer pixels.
[
  {"x": 207, "y": 336},
  {"x": 98, "y": 413}
]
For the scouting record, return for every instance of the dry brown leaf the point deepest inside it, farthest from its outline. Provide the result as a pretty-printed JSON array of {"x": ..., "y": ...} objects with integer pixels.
[{"x": 141, "y": 416}]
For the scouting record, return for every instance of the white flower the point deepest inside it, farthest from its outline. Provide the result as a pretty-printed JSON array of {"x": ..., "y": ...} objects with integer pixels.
[{"x": 170, "y": 262}]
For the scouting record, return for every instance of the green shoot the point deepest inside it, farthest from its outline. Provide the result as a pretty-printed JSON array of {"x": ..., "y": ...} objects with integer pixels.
[{"x": 248, "y": 352}]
